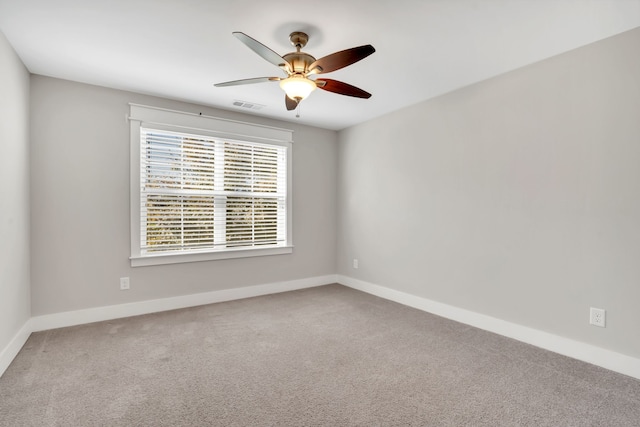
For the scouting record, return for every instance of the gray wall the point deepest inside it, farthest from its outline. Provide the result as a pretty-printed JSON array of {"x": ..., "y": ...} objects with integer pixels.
[
  {"x": 518, "y": 197},
  {"x": 80, "y": 202},
  {"x": 14, "y": 188}
]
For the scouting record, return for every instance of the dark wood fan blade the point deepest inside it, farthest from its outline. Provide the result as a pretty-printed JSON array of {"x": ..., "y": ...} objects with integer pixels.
[
  {"x": 261, "y": 49},
  {"x": 341, "y": 59},
  {"x": 248, "y": 81},
  {"x": 342, "y": 88},
  {"x": 290, "y": 103}
]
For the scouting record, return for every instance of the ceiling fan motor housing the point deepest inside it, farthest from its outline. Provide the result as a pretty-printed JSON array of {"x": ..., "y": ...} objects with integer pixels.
[{"x": 299, "y": 62}]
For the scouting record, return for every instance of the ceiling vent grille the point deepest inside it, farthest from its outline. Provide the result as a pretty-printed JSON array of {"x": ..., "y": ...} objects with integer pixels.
[{"x": 247, "y": 105}]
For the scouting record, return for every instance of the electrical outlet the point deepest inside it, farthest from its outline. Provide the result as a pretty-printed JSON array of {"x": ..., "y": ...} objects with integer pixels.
[
  {"x": 597, "y": 317},
  {"x": 355, "y": 263},
  {"x": 124, "y": 283}
]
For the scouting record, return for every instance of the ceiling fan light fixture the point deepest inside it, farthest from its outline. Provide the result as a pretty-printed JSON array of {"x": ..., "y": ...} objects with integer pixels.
[
  {"x": 297, "y": 87},
  {"x": 300, "y": 65}
]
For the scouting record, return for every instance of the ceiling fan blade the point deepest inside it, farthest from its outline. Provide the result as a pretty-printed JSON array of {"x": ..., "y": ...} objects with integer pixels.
[
  {"x": 261, "y": 50},
  {"x": 290, "y": 103},
  {"x": 341, "y": 59},
  {"x": 248, "y": 81},
  {"x": 341, "y": 88}
]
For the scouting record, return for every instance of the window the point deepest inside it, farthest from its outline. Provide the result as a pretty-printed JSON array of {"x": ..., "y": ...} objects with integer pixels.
[{"x": 205, "y": 188}]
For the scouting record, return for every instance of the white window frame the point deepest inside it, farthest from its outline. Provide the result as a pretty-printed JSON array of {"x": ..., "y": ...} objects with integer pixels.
[{"x": 141, "y": 116}]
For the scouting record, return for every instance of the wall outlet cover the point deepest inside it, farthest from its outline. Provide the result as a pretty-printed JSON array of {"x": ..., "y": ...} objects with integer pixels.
[{"x": 597, "y": 317}]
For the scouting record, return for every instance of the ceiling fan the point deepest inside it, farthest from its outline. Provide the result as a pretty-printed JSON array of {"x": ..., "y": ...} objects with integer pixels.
[{"x": 300, "y": 65}]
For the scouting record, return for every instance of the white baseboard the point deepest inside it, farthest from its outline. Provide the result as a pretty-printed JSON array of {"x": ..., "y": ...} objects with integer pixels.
[
  {"x": 98, "y": 314},
  {"x": 588, "y": 353},
  {"x": 11, "y": 350},
  {"x": 607, "y": 359}
]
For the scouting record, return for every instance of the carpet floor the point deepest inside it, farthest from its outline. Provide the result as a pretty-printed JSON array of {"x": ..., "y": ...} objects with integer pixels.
[{"x": 326, "y": 356}]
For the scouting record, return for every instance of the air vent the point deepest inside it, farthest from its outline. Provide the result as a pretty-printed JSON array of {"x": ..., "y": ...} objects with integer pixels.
[{"x": 247, "y": 105}]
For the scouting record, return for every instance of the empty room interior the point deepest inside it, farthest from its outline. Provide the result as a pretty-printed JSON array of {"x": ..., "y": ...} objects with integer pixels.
[{"x": 440, "y": 225}]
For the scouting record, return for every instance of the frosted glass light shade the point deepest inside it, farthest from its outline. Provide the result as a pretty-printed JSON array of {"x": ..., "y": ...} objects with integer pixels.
[{"x": 297, "y": 87}]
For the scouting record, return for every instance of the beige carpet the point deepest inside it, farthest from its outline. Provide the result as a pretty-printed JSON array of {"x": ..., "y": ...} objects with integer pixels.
[{"x": 328, "y": 356}]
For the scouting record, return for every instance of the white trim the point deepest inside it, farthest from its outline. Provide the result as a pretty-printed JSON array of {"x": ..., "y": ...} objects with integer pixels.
[
  {"x": 176, "y": 258},
  {"x": 98, "y": 314},
  {"x": 215, "y": 126},
  {"x": 15, "y": 345},
  {"x": 607, "y": 359},
  {"x": 134, "y": 189},
  {"x": 588, "y": 353}
]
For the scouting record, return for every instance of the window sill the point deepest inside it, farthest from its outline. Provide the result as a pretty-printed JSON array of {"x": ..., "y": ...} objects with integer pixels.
[{"x": 177, "y": 258}]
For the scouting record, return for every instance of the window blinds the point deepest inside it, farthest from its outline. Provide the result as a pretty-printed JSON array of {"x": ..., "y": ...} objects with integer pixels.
[{"x": 199, "y": 193}]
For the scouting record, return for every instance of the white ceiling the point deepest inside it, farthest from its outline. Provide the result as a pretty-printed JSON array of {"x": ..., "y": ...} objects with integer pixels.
[{"x": 179, "y": 48}]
